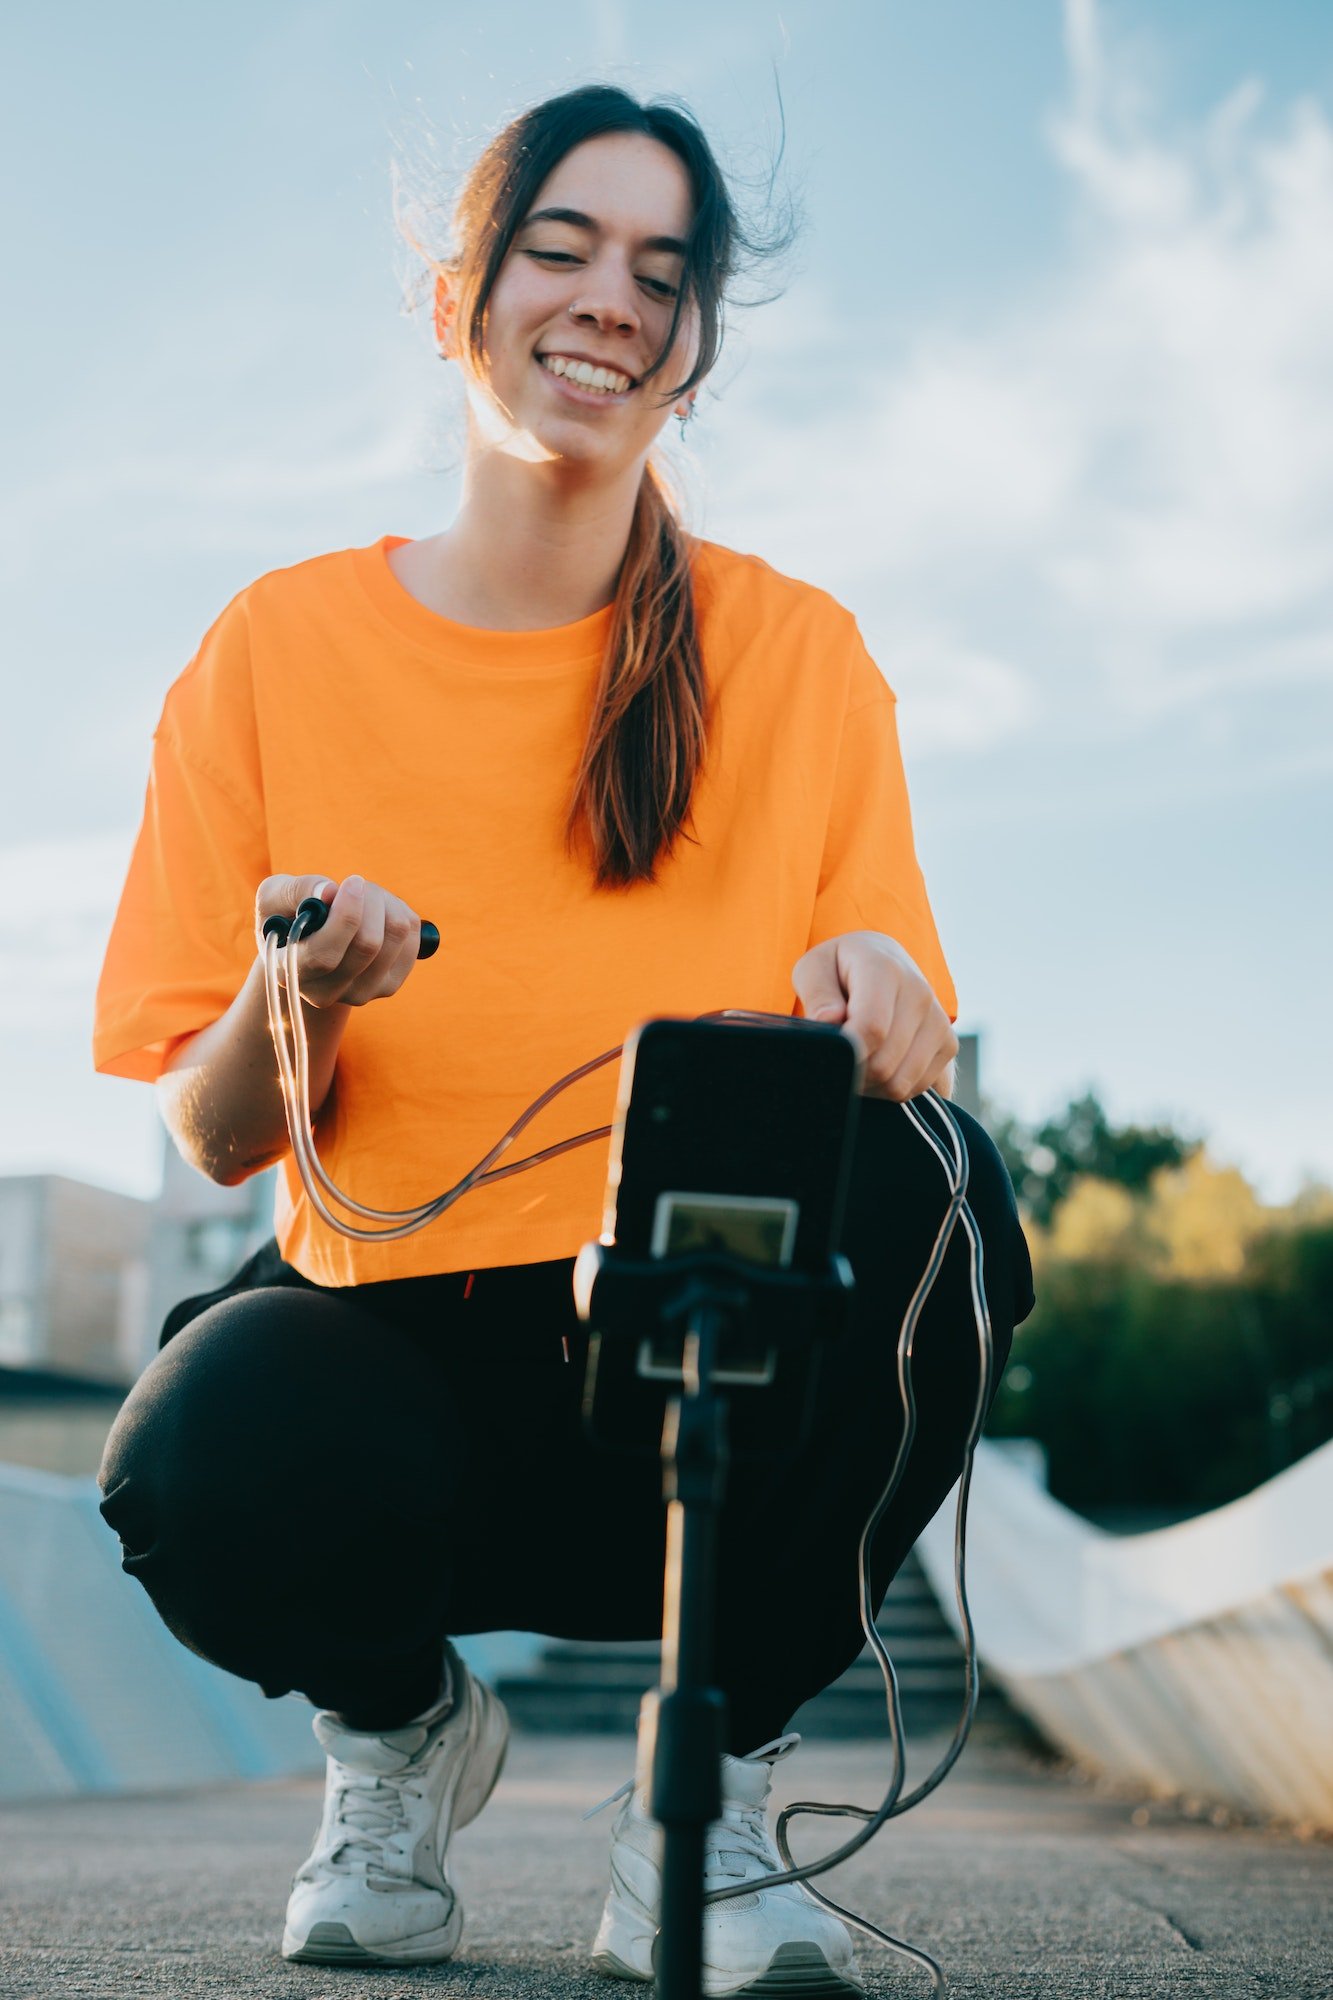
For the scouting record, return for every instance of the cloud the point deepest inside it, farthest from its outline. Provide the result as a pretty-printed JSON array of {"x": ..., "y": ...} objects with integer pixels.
[
  {"x": 59, "y": 899},
  {"x": 217, "y": 488},
  {"x": 962, "y": 698},
  {"x": 1131, "y": 465}
]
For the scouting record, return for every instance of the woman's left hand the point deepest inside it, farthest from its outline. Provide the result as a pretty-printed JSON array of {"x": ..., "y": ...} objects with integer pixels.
[{"x": 866, "y": 982}]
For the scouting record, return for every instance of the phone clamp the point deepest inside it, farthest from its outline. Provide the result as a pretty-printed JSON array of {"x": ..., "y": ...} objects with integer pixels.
[{"x": 700, "y": 1297}]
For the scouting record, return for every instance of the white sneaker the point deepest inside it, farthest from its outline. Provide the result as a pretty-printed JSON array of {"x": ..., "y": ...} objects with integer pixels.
[
  {"x": 375, "y": 1891},
  {"x": 778, "y": 1941}
]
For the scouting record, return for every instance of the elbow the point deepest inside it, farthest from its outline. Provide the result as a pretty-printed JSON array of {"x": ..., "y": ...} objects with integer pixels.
[
  {"x": 228, "y": 1171},
  {"x": 231, "y": 1168},
  {"x": 210, "y": 1151},
  {"x": 223, "y": 1170}
]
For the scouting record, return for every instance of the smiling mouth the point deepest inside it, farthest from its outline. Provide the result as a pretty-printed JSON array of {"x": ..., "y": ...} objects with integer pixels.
[{"x": 609, "y": 384}]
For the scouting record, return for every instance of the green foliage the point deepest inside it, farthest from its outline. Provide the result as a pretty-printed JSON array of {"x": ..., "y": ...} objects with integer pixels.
[
  {"x": 1179, "y": 1352},
  {"x": 1152, "y": 1390},
  {"x": 1045, "y": 1161}
]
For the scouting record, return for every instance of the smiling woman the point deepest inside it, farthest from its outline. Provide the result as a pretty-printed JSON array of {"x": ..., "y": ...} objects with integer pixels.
[
  {"x": 596, "y": 239},
  {"x": 369, "y": 1442}
]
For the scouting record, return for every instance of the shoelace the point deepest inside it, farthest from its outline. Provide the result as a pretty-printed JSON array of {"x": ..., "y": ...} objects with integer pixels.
[
  {"x": 780, "y": 1745},
  {"x": 738, "y": 1838},
  {"x": 742, "y": 1832},
  {"x": 369, "y": 1811}
]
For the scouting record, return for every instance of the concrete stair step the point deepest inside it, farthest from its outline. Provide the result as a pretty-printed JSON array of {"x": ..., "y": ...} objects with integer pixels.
[
  {"x": 832, "y": 1713},
  {"x": 569, "y": 1666},
  {"x": 587, "y": 1684}
]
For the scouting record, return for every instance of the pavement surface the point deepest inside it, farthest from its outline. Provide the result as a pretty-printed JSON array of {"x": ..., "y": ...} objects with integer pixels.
[{"x": 1022, "y": 1882}]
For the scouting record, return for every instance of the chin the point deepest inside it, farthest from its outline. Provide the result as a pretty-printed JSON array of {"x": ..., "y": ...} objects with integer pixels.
[{"x": 571, "y": 444}]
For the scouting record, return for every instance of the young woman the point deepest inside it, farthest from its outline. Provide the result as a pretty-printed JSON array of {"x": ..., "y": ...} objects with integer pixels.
[{"x": 627, "y": 773}]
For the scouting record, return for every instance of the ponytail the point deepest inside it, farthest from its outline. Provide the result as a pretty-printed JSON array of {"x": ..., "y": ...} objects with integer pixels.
[{"x": 649, "y": 722}]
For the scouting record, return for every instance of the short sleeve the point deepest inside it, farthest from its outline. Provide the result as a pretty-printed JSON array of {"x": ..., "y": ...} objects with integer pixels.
[
  {"x": 182, "y": 940},
  {"x": 869, "y": 877}
]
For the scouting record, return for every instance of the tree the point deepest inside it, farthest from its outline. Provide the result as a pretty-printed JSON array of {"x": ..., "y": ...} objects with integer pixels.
[
  {"x": 1098, "y": 1221},
  {"x": 1201, "y": 1219},
  {"x": 1045, "y": 1163}
]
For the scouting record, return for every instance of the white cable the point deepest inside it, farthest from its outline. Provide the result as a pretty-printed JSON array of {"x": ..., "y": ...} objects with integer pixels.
[{"x": 296, "y": 1093}]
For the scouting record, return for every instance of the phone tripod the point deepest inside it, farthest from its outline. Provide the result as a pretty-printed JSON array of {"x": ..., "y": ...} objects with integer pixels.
[{"x": 700, "y": 1298}]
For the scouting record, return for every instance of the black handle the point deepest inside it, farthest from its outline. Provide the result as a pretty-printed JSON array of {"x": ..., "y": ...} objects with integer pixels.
[{"x": 315, "y": 910}]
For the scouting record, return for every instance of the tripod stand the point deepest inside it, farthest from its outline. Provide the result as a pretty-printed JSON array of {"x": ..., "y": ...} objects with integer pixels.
[{"x": 706, "y": 1299}]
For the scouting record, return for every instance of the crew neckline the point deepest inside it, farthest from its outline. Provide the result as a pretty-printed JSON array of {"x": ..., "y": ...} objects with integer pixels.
[{"x": 545, "y": 651}]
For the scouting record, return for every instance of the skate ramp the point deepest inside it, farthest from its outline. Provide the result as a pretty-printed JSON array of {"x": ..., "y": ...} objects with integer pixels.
[
  {"x": 96, "y": 1695},
  {"x": 1192, "y": 1661}
]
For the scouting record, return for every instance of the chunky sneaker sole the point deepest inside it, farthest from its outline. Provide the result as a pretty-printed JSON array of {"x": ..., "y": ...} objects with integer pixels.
[
  {"x": 800, "y": 1971},
  {"x": 333, "y": 1944},
  {"x": 475, "y": 1763}
]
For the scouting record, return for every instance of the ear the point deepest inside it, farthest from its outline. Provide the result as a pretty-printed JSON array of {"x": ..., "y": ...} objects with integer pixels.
[{"x": 445, "y": 308}]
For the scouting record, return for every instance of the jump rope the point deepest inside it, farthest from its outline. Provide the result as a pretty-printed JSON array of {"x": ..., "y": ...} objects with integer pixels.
[{"x": 294, "y": 1069}]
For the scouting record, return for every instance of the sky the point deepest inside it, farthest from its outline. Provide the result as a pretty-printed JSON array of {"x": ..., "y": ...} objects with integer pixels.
[{"x": 1046, "y": 399}]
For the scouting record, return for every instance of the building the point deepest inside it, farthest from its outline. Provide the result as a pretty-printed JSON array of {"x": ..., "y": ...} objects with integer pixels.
[
  {"x": 87, "y": 1274},
  {"x": 74, "y": 1277}
]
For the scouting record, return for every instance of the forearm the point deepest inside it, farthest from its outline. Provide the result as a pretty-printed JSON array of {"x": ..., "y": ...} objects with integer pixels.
[{"x": 221, "y": 1095}]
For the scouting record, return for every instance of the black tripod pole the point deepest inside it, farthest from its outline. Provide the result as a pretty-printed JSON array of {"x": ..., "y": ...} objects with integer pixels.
[
  {"x": 689, "y": 1714},
  {"x": 683, "y": 1722}
]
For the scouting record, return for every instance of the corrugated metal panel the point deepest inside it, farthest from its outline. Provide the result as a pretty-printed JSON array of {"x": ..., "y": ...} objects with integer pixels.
[{"x": 1195, "y": 1660}]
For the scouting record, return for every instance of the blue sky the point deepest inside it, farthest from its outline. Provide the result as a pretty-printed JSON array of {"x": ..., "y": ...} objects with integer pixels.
[{"x": 1047, "y": 401}]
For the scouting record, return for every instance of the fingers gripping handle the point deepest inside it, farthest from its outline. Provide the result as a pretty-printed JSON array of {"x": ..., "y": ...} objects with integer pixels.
[{"x": 310, "y": 915}]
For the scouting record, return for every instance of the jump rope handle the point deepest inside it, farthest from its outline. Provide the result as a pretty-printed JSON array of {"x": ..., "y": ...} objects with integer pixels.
[{"x": 315, "y": 910}]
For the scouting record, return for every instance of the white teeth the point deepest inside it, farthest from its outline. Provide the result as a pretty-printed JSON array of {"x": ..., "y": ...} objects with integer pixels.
[{"x": 586, "y": 375}]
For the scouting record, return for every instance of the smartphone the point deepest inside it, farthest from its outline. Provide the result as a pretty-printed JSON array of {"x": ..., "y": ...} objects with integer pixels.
[{"x": 733, "y": 1135}]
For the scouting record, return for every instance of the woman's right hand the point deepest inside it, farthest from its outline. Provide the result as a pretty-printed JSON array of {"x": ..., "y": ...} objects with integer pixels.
[{"x": 365, "y": 948}]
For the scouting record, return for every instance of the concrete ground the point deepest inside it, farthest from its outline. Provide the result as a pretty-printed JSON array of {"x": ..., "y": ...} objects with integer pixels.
[{"x": 1021, "y": 1882}]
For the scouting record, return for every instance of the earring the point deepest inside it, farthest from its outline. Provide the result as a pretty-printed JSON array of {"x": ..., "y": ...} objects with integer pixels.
[{"x": 684, "y": 417}]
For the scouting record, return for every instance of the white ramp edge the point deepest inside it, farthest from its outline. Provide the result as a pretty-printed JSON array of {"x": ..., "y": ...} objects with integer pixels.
[
  {"x": 1194, "y": 1661},
  {"x": 96, "y": 1695}
]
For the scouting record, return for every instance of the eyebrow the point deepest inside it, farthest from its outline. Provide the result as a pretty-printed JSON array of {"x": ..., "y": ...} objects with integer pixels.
[{"x": 577, "y": 220}]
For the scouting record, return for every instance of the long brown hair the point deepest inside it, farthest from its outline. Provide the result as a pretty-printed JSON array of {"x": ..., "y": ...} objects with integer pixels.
[{"x": 648, "y": 728}]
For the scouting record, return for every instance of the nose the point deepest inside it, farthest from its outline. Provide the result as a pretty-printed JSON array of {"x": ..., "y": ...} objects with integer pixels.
[{"x": 607, "y": 303}]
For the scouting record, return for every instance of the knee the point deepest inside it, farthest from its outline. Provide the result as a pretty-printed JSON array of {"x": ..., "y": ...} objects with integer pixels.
[
  {"x": 244, "y": 1415},
  {"x": 182, "y": 1418}
]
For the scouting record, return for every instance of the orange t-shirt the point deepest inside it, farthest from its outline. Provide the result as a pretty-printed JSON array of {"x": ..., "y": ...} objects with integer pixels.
[{"x": 330, "y": 722}]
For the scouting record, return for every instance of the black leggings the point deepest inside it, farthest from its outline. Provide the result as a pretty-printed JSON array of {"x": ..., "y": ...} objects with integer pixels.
[{"x": 315, "y": 1484}]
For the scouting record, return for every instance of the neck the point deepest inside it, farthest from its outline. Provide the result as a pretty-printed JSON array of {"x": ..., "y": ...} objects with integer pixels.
[{"x": 533, "y": 546}]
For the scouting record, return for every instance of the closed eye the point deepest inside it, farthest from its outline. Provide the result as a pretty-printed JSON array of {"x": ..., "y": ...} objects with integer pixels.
[{"x": 657, "y": 285}]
